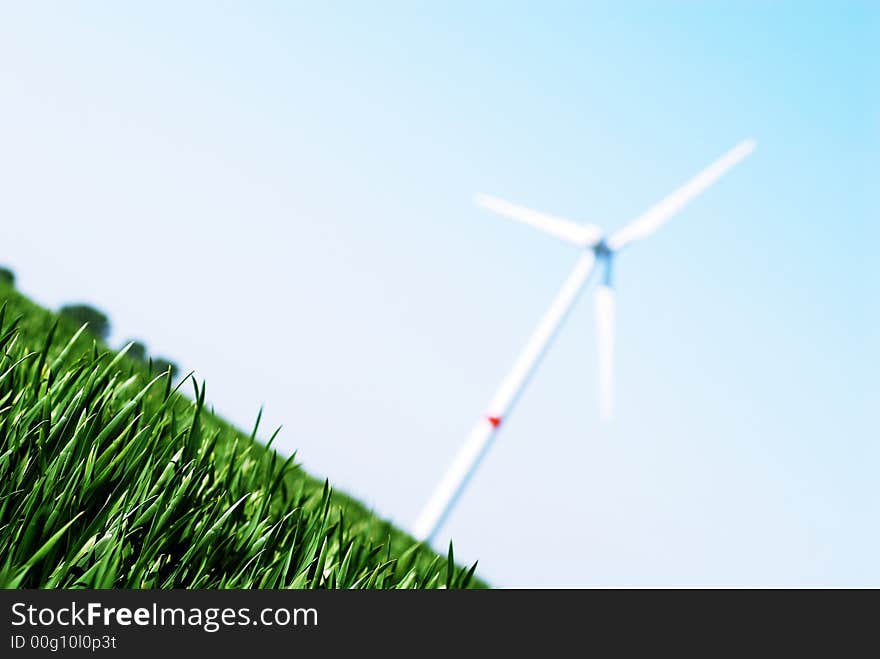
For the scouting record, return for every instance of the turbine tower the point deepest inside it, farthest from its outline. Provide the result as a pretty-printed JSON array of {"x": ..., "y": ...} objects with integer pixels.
[{"x": 597, "y": 250}]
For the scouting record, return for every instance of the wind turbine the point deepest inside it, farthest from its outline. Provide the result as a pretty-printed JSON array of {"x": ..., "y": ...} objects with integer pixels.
[{"x": 597, "y": 249}]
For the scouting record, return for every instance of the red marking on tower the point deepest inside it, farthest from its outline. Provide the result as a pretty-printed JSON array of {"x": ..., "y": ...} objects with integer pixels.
[{"x": 495, "y": 421}]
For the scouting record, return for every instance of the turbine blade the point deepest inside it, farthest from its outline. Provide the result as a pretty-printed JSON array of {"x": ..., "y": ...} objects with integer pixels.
[
  {"x": 647, "y": 223},
  {"x": 605, "y": 345},
  {"x": 572, "y": 232},
  {"x": 476, "y": 446},
  {"x": 451, "y": 485}
]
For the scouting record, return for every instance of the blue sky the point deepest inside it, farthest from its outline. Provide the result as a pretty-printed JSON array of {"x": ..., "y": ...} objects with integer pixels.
[{"x": 279, "y": 197}]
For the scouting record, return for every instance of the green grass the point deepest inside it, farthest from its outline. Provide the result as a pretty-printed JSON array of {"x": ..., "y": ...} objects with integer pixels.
[{"x": 111, "y": 478}]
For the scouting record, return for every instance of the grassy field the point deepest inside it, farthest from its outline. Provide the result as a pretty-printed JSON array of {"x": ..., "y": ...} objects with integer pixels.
[{"x": 111, "y": 478}]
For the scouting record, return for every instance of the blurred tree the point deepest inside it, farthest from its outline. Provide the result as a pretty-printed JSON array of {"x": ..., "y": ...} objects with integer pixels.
[
  {"x": 138, "y": 350},
  {"x": 7, "y": 276},
  {"x": 98, "y": 323},
  {"x": 161, "y": 365}
]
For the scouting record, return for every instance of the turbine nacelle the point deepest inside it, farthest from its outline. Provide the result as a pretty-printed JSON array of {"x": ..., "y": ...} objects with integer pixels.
[
  {"x": 602, "y": 250},
  {"x": 604, "y": 256}
]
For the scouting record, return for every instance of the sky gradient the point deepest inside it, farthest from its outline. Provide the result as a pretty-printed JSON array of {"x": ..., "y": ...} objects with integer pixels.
[{"x": 279, "y": 197}]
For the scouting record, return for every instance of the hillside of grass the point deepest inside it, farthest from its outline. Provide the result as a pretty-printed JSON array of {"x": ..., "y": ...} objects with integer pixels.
[{"x": 111, "y": 477}]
